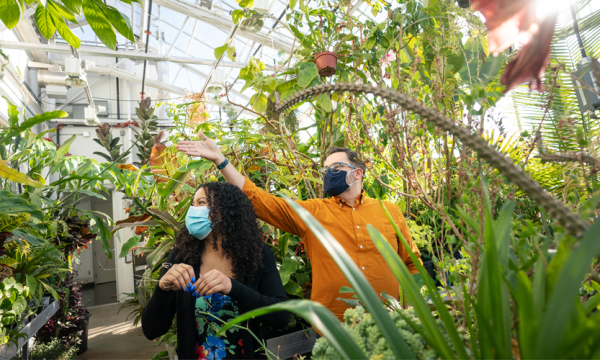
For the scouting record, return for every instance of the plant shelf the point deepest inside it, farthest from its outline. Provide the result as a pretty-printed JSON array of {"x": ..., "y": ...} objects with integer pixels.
[{"x": 6, "y": 353}]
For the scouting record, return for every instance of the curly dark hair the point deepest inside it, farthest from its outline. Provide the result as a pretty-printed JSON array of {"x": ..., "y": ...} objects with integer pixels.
[{"x": 235, "y": 224}]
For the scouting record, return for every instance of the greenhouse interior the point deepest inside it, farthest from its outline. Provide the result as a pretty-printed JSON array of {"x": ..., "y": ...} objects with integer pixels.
[{"x": 299, "y": 179}]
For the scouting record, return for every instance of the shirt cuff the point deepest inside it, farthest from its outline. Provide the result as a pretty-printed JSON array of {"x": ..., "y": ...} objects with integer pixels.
[
  {"x": 249, "y": 188},
  {"x": 236, "y": 289}
]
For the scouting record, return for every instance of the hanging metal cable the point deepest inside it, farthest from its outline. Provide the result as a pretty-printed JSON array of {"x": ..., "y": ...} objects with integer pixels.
[
  {"x": 146, "y": 50},
  {"x": 576, "y": 31}
]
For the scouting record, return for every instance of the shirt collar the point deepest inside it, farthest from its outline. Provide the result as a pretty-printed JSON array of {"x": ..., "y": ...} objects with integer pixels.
[{"x": 359, "y": 199}]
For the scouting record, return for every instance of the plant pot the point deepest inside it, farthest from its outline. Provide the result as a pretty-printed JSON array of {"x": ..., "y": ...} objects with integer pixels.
[
  {"x": 84, "y": 337},
  {"x": 326, "y": 62}
]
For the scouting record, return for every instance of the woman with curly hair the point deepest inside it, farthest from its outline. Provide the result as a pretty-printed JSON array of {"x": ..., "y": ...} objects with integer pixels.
[{"x": 220, "y": 268}]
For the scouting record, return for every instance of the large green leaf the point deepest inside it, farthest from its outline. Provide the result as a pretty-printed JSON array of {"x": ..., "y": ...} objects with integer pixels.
[
  {"x": 65, "y": 32},
  {"x": 321, "y": 318},
  {"x": 9, "y": 13},
  {"x": 358, "y": 281},
  {"x": 15, "y": 175},
  {"x": 432, "y": 334},
  {"x": 560, "y": 305},
  {"x": 528, "y": 320},
  {"x": 43, "y": 20},
  {"x": 128, "y": 245},
  {"x": 307, "y": 75},
  {"x": 259, "y": 102},
  {"x": 14, "y": 205},
  {"x": 287, "y": 268},
  {"x": 120, "y": 22},
  {"x": 167, "y": 218},
  {"x": 492, "y": 296},
  {"x": 40, "y": 118},
  {"x": 94, "y": 14},
  {"x": 73, "y": 5},
  {"x": 13, "y": 222},
  {"x": 64, "y": 148}
]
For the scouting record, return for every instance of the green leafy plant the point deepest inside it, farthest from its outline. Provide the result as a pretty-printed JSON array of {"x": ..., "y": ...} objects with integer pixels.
[
  {"x": 106, "y": 140},
  {"x": 53, "y": 16},
  {"x": 55, "y": 349},
  {"x": 13, "y": 306}
]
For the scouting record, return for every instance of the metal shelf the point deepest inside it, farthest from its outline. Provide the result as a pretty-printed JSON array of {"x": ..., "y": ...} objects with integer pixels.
[{"x": 6, "y": 353}]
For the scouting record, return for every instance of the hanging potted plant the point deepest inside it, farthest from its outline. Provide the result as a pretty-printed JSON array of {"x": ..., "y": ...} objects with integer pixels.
[{"x": 327, "y": 40}]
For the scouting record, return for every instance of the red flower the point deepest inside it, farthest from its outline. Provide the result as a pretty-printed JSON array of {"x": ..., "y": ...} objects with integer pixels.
[
  {"x": 201, "y": 352},
  {"x": 507, "y": 21},
  {"x": 241, "y": 343},
  {"x": 530, "y": 63},
  {"x": 60, "y": 126}
]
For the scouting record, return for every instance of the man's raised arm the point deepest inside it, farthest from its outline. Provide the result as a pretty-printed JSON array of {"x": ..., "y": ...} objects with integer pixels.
[
  {"x": 269, "y": 208},
  {"x": 209, "y": 150}
]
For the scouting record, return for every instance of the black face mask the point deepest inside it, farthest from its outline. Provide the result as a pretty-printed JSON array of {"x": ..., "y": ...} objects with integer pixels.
[{"x": 335, "y": 184}]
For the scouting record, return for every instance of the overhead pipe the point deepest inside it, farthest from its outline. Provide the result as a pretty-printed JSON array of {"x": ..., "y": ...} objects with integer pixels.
[{"x": 46, "y": 77}]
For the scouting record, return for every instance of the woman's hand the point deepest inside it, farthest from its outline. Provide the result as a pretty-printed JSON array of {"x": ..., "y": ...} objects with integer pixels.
[
  {"x": 179, "y": 277},
  {"x": 212, "y": 282},
  {"x": 207, "y": 149}
]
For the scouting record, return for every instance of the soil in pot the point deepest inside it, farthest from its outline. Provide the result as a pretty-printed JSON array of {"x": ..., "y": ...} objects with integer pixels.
[{"x": 326, "y": 62}]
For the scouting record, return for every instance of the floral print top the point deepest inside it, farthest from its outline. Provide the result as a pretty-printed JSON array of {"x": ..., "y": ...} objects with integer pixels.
[{"x": 209, "y": 346}]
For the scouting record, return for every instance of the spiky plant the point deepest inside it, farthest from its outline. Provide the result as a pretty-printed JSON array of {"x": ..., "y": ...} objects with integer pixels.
[
  {"x": 106, "y": 140},
  {"x": 148, "y": 125}
]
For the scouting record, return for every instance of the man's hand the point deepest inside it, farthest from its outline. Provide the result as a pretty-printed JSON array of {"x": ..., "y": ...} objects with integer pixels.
[
  {"x": 179, "y": 277},
  {"x": 212, "y": 282},
  {"x": 207, "y": 149}
]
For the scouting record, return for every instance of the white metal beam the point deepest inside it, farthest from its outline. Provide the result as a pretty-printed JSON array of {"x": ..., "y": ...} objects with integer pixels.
[
  {"x": 187, "y": 18},
  {"x": 105, "y": 52},
  {"x": 224, "y": 22}
]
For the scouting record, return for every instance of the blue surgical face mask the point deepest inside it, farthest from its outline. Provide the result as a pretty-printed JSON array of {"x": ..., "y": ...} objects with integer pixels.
[
  {"x": 197, "y": 222},
  {"x": 335, "y": 184}
]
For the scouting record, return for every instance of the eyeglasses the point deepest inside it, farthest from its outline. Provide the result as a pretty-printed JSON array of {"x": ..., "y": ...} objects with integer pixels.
[{"x": 335, "y": 168}]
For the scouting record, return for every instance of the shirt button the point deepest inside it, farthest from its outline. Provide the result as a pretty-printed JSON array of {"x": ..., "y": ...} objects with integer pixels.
[
  {"x": 363, "y": 267},
  {"x": 361, "y": 246},
  {"x": 358, "y": 227},
  {"x": 353, "y": 209}
]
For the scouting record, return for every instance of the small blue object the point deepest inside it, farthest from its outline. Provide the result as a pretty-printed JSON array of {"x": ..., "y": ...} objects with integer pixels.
[
  {"x": 181, "y": 287},
  {"x": 193, "y": 279},
  {"x": 194, "y": 293},
  {"x": 223, "y": 164}
]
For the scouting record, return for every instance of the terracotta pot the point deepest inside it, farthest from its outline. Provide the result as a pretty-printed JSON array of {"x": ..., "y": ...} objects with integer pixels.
[{"x": 326, "y": 63}]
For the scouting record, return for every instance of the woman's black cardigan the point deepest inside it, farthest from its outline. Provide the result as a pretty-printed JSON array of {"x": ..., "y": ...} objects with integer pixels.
[{"x": 266, "y": 289}]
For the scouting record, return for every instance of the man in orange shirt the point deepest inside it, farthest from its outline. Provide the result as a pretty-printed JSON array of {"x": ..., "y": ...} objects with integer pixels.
[{"x": 345, "y": 215}]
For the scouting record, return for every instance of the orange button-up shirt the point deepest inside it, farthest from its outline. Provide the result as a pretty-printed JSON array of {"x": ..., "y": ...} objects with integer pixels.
[{"x": 349, "y": 226}]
